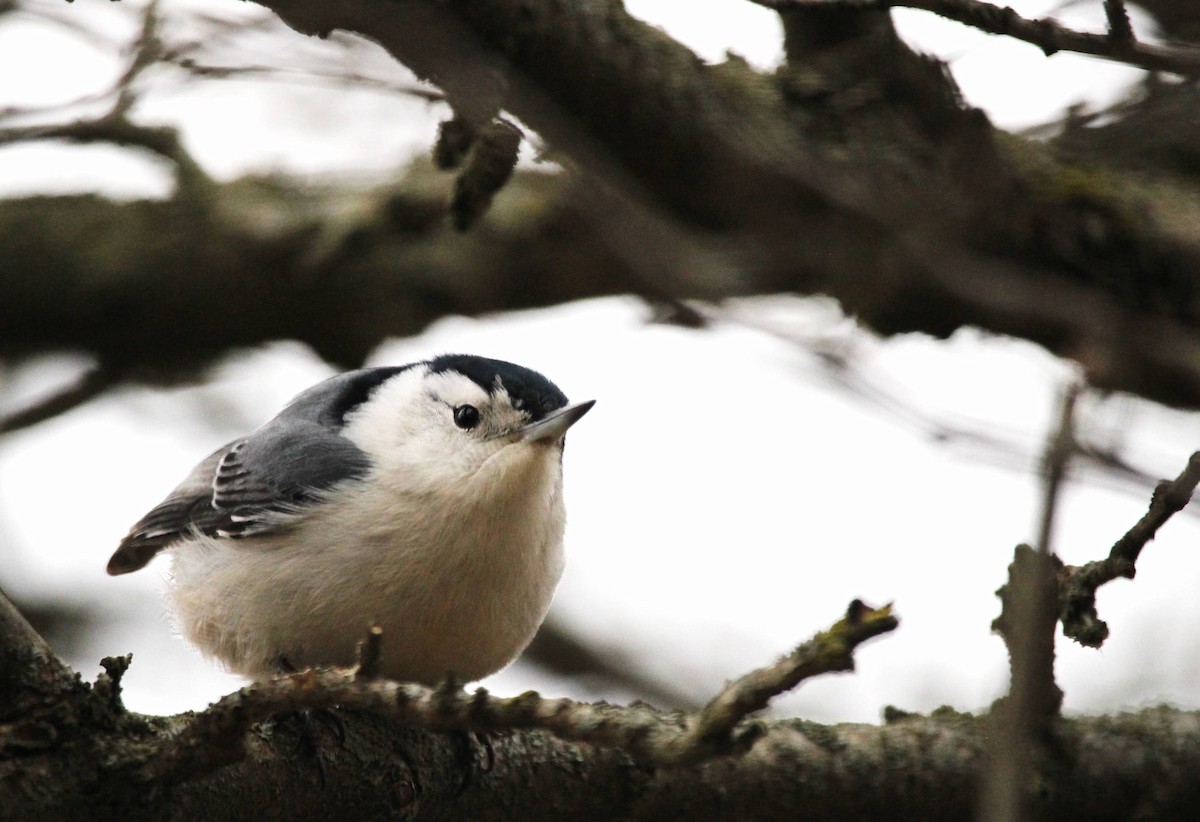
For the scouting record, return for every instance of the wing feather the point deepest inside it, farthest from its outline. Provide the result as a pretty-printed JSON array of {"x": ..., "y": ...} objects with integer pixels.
[
  {"x": 267, "y": 481},
  {"x": 255, "y": 485}
]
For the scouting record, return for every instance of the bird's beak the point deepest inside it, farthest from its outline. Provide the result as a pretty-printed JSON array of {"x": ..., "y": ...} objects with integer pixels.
[{"x": 555, "y": 425}]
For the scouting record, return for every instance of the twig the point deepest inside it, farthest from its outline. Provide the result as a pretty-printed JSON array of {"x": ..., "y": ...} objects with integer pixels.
[
  {"x": 340, "y": 78},
  {"x": 50, "y": 13},
  {"x": 114, "y": 126},
  {"x": 1027, "y": 621},
  {"x": 1120, "y": 30},
  {"x": 1078, "y": 584},
  {"x": 1059, "y": 450},
  {"x": 146, "y": 50},
  {"x": 712, "y": 731},
  {"x": 847, "y": 369},
  {"x": 370, "y": 650},
  {"x": 214, "y": 737},
  {"x": 89, "y": 386},
  {"x": 1118, "y": 44}
]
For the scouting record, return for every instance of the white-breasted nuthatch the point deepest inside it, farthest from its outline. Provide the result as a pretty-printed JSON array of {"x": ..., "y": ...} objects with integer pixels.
[{"x": 426, "y": 498}]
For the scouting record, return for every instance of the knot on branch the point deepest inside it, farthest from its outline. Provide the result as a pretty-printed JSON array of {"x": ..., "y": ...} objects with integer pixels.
[
  {"x": 370, "y": 652},
  {"x": 108, "y": 684},
  {"x": 485, "y": 156}
]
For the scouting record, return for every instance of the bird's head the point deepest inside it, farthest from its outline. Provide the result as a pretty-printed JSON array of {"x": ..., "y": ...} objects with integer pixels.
[{"x": 445, "y": 419}]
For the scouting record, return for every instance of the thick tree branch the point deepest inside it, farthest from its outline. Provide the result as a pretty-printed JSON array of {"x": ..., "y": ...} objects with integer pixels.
[
  {"x": 28, "y": 668},
  {"x": 92, "y": 757},
  {"x": 1151, "y": 141},
  {"x": 158, "y": 289},
  {"x": 716, "y": 149},
  {"x": 214, "y": 737}
]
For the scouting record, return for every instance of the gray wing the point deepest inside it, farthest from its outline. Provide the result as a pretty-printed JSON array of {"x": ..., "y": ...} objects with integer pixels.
[{"x": 253, "y": 485}]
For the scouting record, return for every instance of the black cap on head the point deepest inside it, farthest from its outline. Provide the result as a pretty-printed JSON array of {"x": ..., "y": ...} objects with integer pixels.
[{"x": 529, "y": 390}]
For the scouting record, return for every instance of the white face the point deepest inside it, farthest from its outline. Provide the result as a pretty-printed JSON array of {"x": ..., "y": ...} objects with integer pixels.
[{"x": 440, "y": 428}]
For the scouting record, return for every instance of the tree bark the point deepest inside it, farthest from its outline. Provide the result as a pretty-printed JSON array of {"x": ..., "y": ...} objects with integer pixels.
[{"x": 164, "y": 287}]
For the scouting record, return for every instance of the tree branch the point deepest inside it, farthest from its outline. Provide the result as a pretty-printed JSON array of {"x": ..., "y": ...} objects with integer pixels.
[
  {"x": 715, "y": 154},
  {"x": 1118, "y": 45},
  {"x": 701, "y": 182},
  {"x": 712, "y": 731},
  {"x": 1079, "y": 583},
  {"x": 28, "y": 668},
  {"x": 215, "y": 736},
  {"x": 91, "y": 384},
  {"x": 115, "y": 126},
  {"x": 1024, "y": 718},
  {"x": 1120, "y": 29}
]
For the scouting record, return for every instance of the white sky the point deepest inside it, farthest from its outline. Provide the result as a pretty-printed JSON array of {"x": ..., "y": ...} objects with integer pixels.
[{"x": 725, "y": 500}]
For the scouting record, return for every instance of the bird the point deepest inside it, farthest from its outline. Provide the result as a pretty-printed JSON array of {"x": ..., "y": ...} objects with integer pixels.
[{"x": 424, "y": 498}]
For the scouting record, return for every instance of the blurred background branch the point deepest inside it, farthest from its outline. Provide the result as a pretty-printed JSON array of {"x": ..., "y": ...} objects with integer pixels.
[
  {"x": 1118, "y": 43},
  {"x": 908, "y": 207}
]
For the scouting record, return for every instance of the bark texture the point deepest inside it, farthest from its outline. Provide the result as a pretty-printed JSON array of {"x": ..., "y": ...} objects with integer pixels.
[
  {"x": 366, "y": 768},
  {"x": 166, "y": 286}
]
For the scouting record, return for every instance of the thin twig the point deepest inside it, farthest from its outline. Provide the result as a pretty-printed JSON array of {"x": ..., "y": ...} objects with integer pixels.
[
  {"x": 849, "y": 369},
  {"x": 214, "y": 737},
  {"x": 1078, "y": 584},
  {"x": 1059, "y": 450},
  {"x": 116, "y": 129},
  {"x": 340, "y": 78},
  {"x": 90, "y": 385},
  {"x": 146, "y": 51},
  {"x": 1047, "y": 34},
  {"x": 115, "y": 126}
]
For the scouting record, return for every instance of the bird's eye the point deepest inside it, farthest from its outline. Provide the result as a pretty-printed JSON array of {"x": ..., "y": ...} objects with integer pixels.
[{"x": 466, "y": 417}]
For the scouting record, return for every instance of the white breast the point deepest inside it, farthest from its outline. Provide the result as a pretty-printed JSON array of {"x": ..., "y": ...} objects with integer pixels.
[{"x": 459, "y": 578}]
